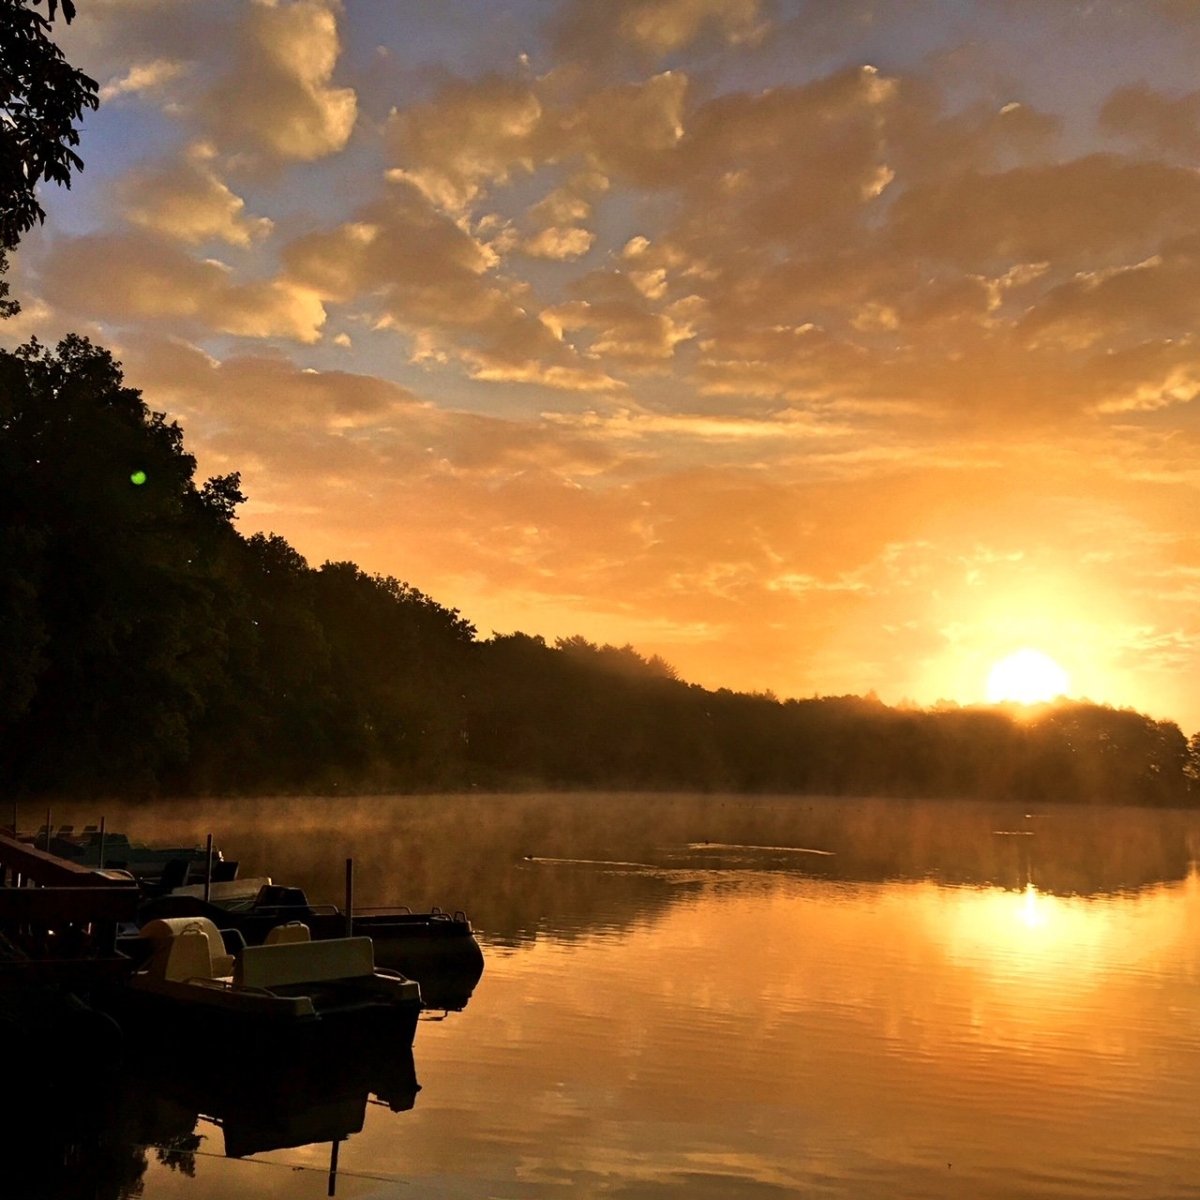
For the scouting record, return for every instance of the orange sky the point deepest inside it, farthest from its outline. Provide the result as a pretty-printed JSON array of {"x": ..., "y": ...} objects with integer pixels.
[{"x": 819, "y": 348}]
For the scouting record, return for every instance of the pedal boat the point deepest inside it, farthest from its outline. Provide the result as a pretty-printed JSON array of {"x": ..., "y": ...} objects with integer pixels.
[
  {"x": 190, "y": 981},
  {"x": 438, "y": 949}
]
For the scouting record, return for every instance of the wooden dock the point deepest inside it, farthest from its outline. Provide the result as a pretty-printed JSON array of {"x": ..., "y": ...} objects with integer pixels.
[{"x": 58, "y": 920}]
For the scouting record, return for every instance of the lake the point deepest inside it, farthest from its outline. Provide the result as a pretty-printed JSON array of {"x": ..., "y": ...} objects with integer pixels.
[{"x": 721, "y": 996}]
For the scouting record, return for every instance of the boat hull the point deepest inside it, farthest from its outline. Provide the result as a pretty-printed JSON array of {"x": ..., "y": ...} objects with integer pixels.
[
  {"x": 436, "y": 949},
  {"x": 160, "y": 1023}
]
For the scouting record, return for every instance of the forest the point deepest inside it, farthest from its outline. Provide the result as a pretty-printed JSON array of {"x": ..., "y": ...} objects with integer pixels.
[{"x": 148, "y": 648}]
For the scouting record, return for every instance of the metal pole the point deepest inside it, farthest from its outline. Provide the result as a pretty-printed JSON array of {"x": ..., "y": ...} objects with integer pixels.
[
  {"x": 47, "y": 831},
  {"x": 349, "y": 897},
  {"x": 100, "y": 860},
  {"x": 333, "y": 1157},
  {"x": 208, "y": 870}
]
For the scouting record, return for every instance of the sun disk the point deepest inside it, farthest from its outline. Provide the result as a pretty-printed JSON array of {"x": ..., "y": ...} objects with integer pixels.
[{"x": 1028, "y": 677}]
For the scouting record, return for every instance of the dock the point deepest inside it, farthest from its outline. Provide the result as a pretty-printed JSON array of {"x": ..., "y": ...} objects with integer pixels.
[{"x": 59, "y": 920}]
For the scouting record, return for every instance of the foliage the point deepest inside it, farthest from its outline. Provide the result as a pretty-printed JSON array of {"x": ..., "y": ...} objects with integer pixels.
[
  {"x": 109, "y": 612},
  {"x": 8, "y": 308},
  {"x": 41, "y": 98}
]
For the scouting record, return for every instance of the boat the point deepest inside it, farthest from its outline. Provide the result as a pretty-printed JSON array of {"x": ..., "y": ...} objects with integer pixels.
[
  {"x": 436, "y": 948},
  {"x": 93, "y": 847},
  {"x": 191, "y": 983}
]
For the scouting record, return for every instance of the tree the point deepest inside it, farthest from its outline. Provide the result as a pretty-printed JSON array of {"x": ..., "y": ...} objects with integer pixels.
[
  {"x": 8, "y": 308},
  {"x": 41, "y": 98},
  {"x": 1191, "y": 767},
  {"x": 111, "y": 596}
]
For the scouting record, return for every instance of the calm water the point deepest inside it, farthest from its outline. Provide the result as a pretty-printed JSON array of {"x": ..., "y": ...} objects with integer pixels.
[{"x": 683, "y": 998}]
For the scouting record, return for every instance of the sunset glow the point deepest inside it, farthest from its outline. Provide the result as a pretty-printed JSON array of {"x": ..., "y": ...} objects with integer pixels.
[{"x": 815, "y": 348}]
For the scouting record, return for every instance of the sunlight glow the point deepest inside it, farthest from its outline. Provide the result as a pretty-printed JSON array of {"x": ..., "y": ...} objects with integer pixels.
[{"x": 1028, "y": 677}]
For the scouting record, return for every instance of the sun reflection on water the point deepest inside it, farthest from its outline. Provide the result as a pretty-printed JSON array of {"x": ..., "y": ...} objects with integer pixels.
[{"x": 1032, "y": 913}]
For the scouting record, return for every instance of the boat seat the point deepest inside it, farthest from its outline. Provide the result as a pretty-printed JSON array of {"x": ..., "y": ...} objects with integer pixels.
[
  {"x": 189, "y": 956},
  {"x": 290, "y": 931},
  {"x": 305, "y": 962},
  {"x": 193, "y": 948}
]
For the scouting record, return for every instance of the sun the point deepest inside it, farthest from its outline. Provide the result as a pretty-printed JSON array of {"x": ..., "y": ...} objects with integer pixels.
[{"x": 1028, "y": 677}]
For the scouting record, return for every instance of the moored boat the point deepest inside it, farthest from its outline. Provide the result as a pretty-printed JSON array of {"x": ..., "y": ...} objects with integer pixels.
[
  {"x": 436, "y": 948},
  {"x": 93, "y": 847},
  {"x": 190, "y": 982}
]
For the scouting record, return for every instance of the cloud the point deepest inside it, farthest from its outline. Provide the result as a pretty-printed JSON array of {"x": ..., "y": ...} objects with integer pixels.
[
  {"x": 130, "y": 278},
  {"x": 185, "y": 199},
  {"x": 561, "y": 244},
  {"x": 142, "y": 77},
  {"x": 1114, "y": 307},
  {"x": 327, "y": 454},
  {"x": 471, "y": 135},
  {"x": 791, "y": 166},
  {"x": 423, "y": 274},
  {"x": 277, "y": 101},
  {"x": 1096, "y": 210},
  {"x": 1154, "y": 120},
  {"x": 656, "y": 27},
  {"x": 624, "y": 325},
  {"x": 476, "y": 136}
]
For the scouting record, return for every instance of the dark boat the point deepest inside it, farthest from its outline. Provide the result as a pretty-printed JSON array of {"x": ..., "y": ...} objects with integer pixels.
[{"x": 437, "y": 949}]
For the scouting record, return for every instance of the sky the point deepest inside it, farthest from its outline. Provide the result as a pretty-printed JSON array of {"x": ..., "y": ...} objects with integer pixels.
[{"x": 817, "y": 347}]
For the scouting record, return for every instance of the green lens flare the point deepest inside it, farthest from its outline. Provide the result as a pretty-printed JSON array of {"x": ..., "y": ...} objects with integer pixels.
[{"x": 138, "y": 478}]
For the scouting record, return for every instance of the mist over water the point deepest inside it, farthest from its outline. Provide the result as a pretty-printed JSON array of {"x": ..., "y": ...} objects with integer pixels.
[
  {"x": 726, "y": 996},
  {"x": 479, "y": 852}
]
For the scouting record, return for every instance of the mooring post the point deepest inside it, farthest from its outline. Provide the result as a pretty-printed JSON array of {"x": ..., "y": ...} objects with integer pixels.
[
  {"x": 333, "y": 1157},
  {"x": 101, "y": 858},
  {"x": 349, "y": 897},
  {"x": 208, "y": 869}
]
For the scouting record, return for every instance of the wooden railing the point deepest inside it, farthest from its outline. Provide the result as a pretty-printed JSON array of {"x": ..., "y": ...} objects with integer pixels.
[
  {"x": 40, "y": 867},
  {"x": 59, "y": 919}
]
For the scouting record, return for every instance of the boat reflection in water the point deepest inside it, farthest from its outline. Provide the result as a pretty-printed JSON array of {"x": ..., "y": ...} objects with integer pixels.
[
  {"x": 100, "y": 1142},
  {"x": 298, "y": 1104},
  {"x": 83, "y": 1130}
]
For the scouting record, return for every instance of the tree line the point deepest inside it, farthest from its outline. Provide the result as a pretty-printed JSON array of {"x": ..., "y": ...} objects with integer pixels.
[{"x": 147, "y": 647}]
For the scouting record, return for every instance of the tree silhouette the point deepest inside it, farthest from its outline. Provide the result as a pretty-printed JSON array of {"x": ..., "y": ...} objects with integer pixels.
[
  {"x": 112, "y": 603},
  {"x": 41, "y": 98}
]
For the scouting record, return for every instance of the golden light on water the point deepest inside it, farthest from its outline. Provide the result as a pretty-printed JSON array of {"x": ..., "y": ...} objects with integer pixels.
[{"x": 1028, "y": 677}]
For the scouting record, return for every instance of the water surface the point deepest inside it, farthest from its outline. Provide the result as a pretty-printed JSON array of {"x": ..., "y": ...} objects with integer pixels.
[{"x": 728, "y": 997}]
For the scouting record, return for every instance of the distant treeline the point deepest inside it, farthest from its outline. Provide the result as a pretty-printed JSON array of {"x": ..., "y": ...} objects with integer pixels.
[{"x": 147, "y": 647}]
